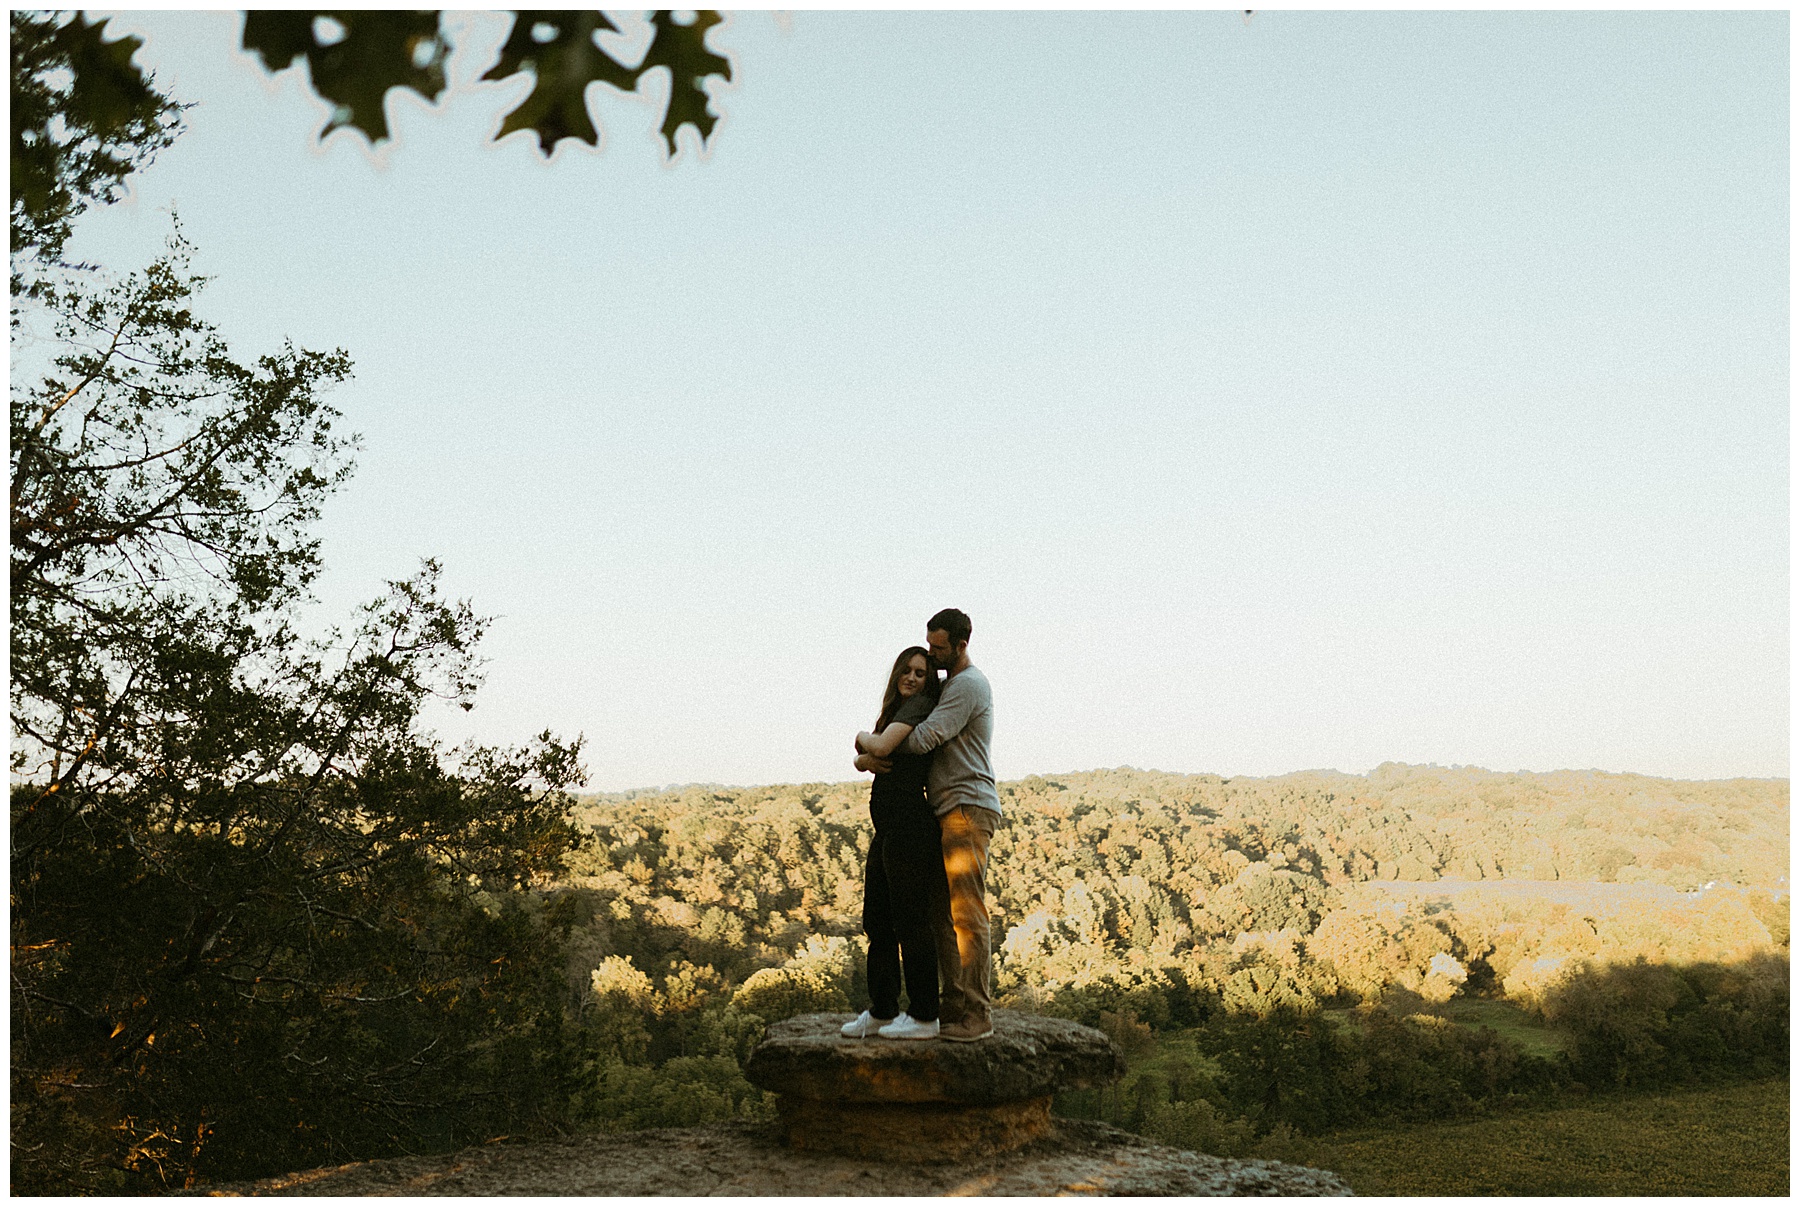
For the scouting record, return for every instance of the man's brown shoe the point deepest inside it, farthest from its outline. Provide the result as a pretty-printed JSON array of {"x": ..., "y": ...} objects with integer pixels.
[{"x": 966, "y": 1030}]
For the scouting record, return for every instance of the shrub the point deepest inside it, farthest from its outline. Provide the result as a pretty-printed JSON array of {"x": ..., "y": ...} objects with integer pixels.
[
  {"x": 1423, "y": 1067},
  {"x": 1200, "y": 1127},
  {"x": 1285, "y": 1067},
  {"x": 1643, "y": 1024},
  {"x": 777, "y": 993},
  {"x": 684, "y": 1092}
]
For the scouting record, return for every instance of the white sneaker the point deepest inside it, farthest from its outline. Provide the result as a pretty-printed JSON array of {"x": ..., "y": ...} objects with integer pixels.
[
  {"x": 864, "y": 1025},
  {"x": 908, "y": 1027}
]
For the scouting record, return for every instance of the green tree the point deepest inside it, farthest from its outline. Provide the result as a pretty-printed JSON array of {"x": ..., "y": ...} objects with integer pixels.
[
  {"x": 250, "y": 898},
  {"x": 1639, "y": 1023},
  {"x": 260, "y": 920},
  {"x": 83, "y": 119},
  {"x": 1285, "y": 1067}
]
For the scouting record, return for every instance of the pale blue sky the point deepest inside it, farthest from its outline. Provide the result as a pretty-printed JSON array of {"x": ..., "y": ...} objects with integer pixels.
[{"x": 1312, "y": 392}]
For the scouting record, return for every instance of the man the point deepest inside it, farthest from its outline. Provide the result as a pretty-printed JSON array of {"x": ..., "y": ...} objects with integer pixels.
[{"x": 961, "y": 790}]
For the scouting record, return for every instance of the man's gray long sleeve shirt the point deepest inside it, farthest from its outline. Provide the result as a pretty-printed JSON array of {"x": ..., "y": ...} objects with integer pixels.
[{"x": 960, "y": 729}]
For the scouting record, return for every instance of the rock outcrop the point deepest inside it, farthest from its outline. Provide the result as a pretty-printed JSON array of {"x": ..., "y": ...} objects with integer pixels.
[
  {"x": 858, "y": 1117},
  {"x": 925, "y": 1100},
  {"x": 1076, "y": 1157}
]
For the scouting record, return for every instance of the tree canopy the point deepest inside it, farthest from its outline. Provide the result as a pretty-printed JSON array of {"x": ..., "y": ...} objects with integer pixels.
[
  {"x": 354, "y": 58},
  {"x": 256, "y": 909},
  {"x": 237, "y": 860},
  {"x": 85, "y": 116}
]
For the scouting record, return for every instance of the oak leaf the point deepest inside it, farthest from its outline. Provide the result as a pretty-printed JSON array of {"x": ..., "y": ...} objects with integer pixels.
[{"x": 375, "y": 51}]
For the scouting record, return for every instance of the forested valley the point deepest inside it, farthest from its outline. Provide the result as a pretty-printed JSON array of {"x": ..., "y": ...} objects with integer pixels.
[{"x": 1285, "y": 954}]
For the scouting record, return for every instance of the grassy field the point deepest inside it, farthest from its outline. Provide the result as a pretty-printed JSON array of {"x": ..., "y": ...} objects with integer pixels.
[
  {"x": 1727, "y": 1140},
  {"x": 1520, "y": 1026}
]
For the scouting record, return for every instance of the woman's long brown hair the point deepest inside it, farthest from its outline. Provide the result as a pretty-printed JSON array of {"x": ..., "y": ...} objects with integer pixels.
[{"x": 890, "y": 699}]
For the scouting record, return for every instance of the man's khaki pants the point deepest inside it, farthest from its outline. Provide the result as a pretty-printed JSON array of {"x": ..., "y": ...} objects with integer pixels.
[{"x": 964, "y": 964}]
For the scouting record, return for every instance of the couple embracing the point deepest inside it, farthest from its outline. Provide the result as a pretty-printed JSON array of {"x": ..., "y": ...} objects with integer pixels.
[{"x": 935, "y": 807}]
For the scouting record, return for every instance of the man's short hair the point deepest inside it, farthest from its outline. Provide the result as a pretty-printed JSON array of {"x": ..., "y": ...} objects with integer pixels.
[{"x": 954, "y": 622}]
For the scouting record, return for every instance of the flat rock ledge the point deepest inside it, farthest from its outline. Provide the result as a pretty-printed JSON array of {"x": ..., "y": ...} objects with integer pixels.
[
  {"x": 1076, "y": 1157},
  {"x": 925, "y": 1100}
]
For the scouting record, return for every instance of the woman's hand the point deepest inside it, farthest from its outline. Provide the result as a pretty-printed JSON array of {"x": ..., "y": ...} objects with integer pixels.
[{"x": 868, "y": 762}]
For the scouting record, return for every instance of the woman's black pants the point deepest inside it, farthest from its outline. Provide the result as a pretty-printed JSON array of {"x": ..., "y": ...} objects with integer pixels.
[{"x": 903, "y": 883}]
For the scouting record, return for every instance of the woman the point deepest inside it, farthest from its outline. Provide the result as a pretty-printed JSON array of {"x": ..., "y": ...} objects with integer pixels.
[{"x": 904, "y": 881}]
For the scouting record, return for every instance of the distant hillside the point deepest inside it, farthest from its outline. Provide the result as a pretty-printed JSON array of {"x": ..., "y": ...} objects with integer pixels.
[
  {"x": 1399, "y": 822},
  {"x": 1403, "y": 822}
]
